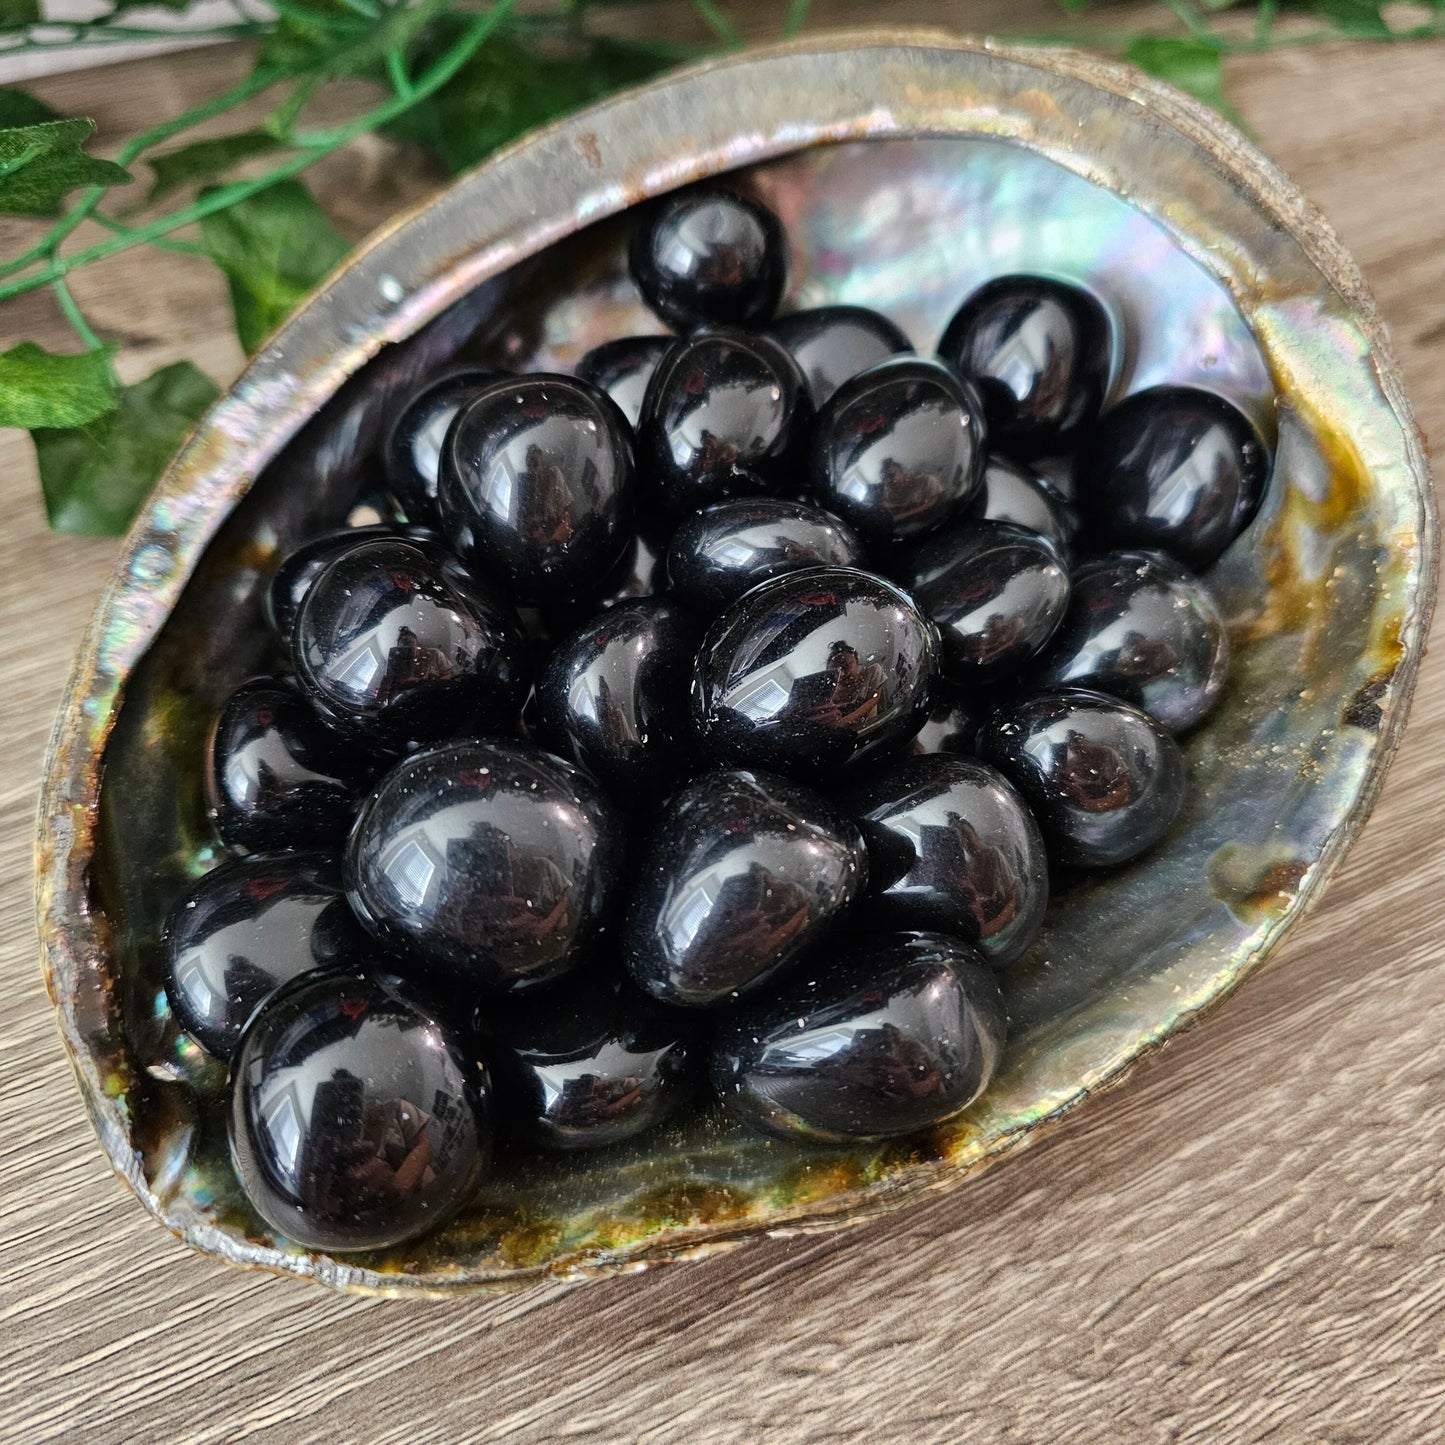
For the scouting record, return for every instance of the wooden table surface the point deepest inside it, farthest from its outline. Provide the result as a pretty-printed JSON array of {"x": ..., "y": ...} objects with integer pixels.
[{"x": 1245, "y": 1242}]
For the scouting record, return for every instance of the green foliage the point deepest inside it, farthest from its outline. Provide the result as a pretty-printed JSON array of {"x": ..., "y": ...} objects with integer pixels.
[
  {"x": 16, "y": 14},
  {"x": 205, "y": 160},
  {"x": 508, "y": 87},
  {"x": 94, "y": 477},
  {"x": 1192, "y": 65},
  {"x": 19, "y": 107},
  {"x": 41, "y": 163},
  {"x": 39, "y": 388},
  {"x": 274, "y": 247}
]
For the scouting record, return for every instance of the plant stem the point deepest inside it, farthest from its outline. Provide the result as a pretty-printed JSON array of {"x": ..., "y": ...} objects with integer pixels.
[
  {"x": 797, "y": 14},
  {"x": 718, "y": 23},
  {"x": 74, "y": 315}
]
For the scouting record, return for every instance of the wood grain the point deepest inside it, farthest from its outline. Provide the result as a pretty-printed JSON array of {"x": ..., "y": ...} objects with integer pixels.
[{"x": 1246, "y": 1242}]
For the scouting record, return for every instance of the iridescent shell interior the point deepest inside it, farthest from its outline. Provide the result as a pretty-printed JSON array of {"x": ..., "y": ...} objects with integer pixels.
[{"x": 906, "y": 172}]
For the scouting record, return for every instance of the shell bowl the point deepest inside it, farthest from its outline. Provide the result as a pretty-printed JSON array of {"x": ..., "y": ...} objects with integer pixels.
[{"x": 907, "y": 168}]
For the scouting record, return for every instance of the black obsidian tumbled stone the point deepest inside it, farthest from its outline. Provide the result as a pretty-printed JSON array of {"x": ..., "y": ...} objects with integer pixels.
[
  {"x": 1104, "y": 780},
  {"x": 726, "y": 414},
  {"x": 815, "y": 671},
  {"x": 614, "y": 697},
  {"x": 744, "y": 874},
  {"x": 490, "y": 865},
  {"x": 709, "y": 256},
  {"x": 1174, "y": 468},
  {"x": 1039, "y": 350},
  {"x": 247, "y": 928},
  {"x": 1140, "y": 627},
  {"x": 357, "y": 1120},
  {"x": 832, "y": 343},
  {"x": 301, "y": 567},
  {"x": 400, "y": 645},
  {"x": 995, "y": 591},
  {"x": 899, "y": 1033},
  {"x": 953, "y": 847},
  {"x": 586, "y": 1063},
  {"x": 722, "y": 551},
  {"x": 411, "y": 451},
  {"x": 951, "y": 727},
  {"x": 276, "y": 775},
  {"x": 537, "y": 486},
  {"x": 898, "y": 449},
  {"x": 622, "y": 368},
  {"x": 1012, "y": 493}
]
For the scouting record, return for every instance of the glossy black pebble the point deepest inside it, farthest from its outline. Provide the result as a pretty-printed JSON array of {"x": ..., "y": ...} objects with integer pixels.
[
  {"x": 411, "y": 451},
  {"x": 743, "y": 875},
  {"x": 995, "y": 591},
  {"x": 899, "y": 449},
  {"x": 899, "y": 1033},
  {"x": 587, "y": 1063},
  {"x": 1014, "y": 494},
  {"x": 710, "y": 256},
  {"x": 951, "y": 727},
  {"x": 1039, "y": 350},
  {"x": 537, "y": 486},
  {"x": 717, "y": 554},
  {"x": 276, "y": 775},
  {"x": 1142, "y": 628},
  {"x": 952, "y": 847},
  {"x": 614, "y": 696},
  {"x": 247, "y": 928},
  {"x": 300, "y": 568},
  {"x": 492, "y": 864},
  {"x": 1104, "y": 780},
  {"x": 1173, "y": 468},
  {"x": 814, "y": 671},
  {"x": 401, "y": 646},
  {"x": 726, "y": 414},
  {"x": 622, "y": 369},
  {"x": 356, "y": 1121},
  {"x": 832, "y": 343}
]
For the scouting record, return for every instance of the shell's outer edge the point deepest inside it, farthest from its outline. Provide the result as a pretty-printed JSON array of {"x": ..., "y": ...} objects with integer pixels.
[{"x": 317, "y": 349}]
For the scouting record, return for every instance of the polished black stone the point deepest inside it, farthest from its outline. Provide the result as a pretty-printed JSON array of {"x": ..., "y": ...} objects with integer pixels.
[
  {"x": 745, "y": 873},
  {"x": 832, "y": 343},
  {"x": 1142, "y": 628},
  {"x": 951, "y": 727},
  {"x": 707, "y": 255},
  {"x": 1173, "y": 468},
  {"x": 726, "y": 414},
  {"x": 614, "y": 697},
  {"x": 411, "y": 451},
  {"x": 1014, "y": 494},
  {"x": 899, "y": 449},
  {"x": 356, "y": 1120},
  {"x": 245, "y": 929},
  {"x": 537, "y": 486},
  {"x": 898, "y": 1033},
  {"x": 1039, "y": 350},
  {"x": 622, "y": 369},
  {"x": 952, "y": 847},
  {"x": 276, "y": 775},
  {"x": 402, "y": 646},
  {"x": 814, "y": 671},
  {"x": 995, "y": 591},
  {"x": 1104, "y": 780},
  {"x": 492, "y": 864},
  {"x": 300, "y": 568},
  {"x": 717, "y": 554},
  {"x": 588, "y": 1062}
]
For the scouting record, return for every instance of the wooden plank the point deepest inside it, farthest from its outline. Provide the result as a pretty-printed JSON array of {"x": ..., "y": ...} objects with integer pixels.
[{"x": 1246, "y": 1241}]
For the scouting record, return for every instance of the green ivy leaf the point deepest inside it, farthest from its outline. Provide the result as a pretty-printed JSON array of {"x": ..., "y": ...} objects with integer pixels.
[
  {"x": 274, "y": 247},
  {"x": 40, "y": 163},
  {"x": 16, "y": 14},
  {"x": 509, "y": 87},
  {"x": 95, "y": 477},
  {"x": 204, "y": 160},
  {"x": 1191, "y": 64},
  {"x": 328, "y": 37},
  {"x": 1360, "y": 19},
  {"x": 39, "y": 388},
  {"x": 19, "y": 107}
]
